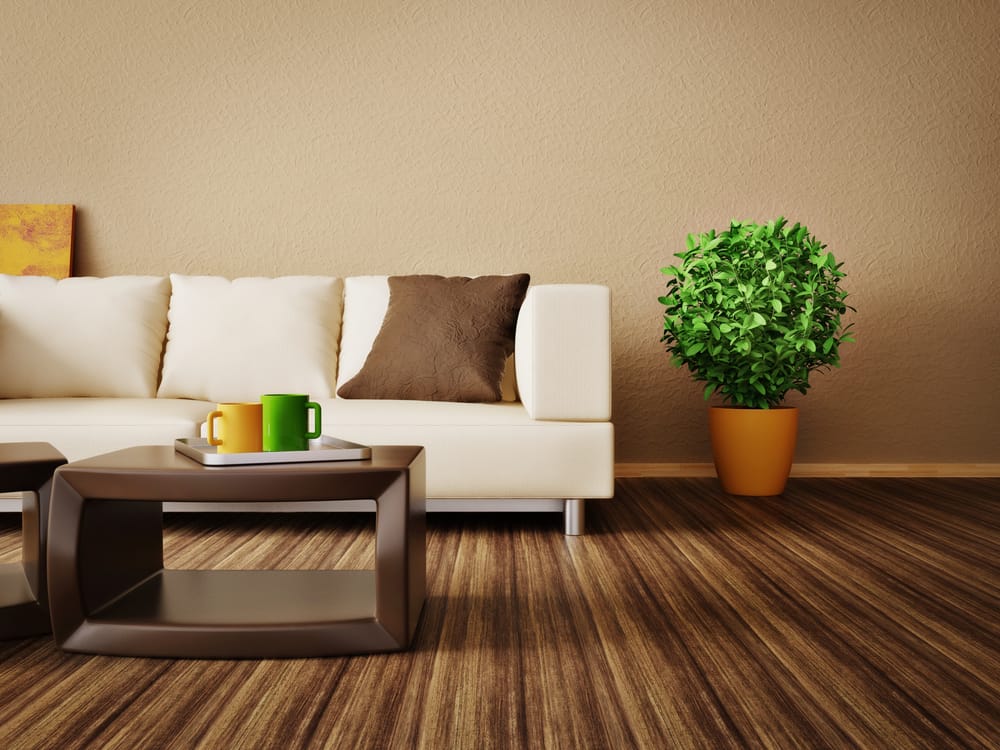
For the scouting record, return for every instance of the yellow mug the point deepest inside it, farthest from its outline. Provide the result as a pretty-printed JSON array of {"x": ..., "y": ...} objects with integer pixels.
[{"x": 241, "y": 431}]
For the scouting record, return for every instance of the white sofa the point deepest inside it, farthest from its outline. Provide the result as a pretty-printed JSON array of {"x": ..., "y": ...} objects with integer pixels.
[{"x": 94, "y": 365}]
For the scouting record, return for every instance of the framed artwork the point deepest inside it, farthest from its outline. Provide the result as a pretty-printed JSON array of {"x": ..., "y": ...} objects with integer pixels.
[{"x": 36, "y": 240}]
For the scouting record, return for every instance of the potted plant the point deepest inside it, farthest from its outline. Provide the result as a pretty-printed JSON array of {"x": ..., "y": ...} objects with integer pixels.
[{"x": 751, "y": 311}]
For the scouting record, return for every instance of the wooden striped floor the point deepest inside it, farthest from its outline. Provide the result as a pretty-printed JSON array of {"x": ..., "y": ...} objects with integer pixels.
[{"x": 847, "y": 613}]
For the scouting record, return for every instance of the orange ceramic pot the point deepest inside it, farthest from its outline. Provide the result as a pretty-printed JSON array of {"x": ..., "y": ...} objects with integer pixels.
[{"x": 753, "y": 448}]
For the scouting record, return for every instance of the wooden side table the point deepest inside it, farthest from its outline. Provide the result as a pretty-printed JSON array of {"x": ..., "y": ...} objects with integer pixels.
[
  {"x": 110, "y": 594},
  {"x": 27, "y": 468}
]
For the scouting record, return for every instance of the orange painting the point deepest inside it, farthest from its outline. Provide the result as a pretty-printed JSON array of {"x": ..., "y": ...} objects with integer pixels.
[{"x": 36, "y": 240}]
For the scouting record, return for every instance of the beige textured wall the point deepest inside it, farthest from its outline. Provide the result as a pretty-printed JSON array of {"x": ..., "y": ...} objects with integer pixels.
[{"x": 577, "y": 140}]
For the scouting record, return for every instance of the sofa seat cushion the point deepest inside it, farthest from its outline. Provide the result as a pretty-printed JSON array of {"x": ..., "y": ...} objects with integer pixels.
[
  {"x": 473, "y": 450},
  {"x": 484, "y": 450},
  {"x": 83, "y": 427}
]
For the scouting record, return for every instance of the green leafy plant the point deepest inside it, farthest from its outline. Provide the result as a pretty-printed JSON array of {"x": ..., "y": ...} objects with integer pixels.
[{"x": 753, "y": 310}]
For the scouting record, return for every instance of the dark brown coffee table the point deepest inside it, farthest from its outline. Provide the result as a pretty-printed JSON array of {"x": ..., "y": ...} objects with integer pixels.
[
  {"x": 110, "y": 594},
  {"x": 27, "y": 468}
]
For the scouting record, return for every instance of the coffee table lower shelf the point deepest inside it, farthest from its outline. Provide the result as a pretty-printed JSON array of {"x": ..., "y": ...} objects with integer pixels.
[
  {"x": 239, "y": 614},
  {"x": 245, "y": 598}
]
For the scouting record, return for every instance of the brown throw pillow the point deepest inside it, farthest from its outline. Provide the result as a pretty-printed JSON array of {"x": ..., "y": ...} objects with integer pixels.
[{"x": 442, "y": 339}]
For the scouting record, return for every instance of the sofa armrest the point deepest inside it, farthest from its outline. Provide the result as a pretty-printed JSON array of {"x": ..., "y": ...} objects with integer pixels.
[{"x": 562, "y": 352}]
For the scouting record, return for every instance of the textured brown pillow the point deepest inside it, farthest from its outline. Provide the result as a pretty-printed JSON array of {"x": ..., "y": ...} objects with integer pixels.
[{"x": 442, "y": 339}]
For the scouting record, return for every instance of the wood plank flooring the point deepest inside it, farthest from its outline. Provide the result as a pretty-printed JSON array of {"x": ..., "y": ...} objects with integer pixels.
[{"x": 847, "y": 613}]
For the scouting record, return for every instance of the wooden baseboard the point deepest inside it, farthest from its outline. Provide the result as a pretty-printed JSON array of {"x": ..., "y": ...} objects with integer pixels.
[{"x": 819, "y": 470}]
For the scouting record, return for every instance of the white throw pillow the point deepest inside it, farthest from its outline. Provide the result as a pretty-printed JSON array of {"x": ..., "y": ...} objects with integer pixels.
[
  {"x": 82, "y": 336},
  {"x": 366, "y": 300},
  {"x": 236, "y": 340}
]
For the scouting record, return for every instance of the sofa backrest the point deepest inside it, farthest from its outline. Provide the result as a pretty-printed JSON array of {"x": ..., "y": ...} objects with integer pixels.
[{"x": 198, "y": 337}]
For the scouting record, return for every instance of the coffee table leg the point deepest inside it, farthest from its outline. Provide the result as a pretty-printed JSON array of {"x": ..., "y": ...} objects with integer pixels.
[
  {"x": 400, "y": 574},
  {"x": 34, "y": 528},
  {"x": 98, "y": 549},
  {"x": 25, "y": 603},
  {"x": 27, "y": 468}
]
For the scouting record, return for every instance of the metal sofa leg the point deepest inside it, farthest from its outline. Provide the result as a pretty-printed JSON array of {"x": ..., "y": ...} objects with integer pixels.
[{"x": 574, "y": 516}]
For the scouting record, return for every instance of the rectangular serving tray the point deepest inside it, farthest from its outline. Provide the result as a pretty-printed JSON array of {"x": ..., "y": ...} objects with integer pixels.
[{"x": 324, "y": 448}]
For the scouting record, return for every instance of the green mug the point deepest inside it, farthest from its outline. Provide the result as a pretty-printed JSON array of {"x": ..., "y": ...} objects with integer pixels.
[{"x": 286, "y": 421}]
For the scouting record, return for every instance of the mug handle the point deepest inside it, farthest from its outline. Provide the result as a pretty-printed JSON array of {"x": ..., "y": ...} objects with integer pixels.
[
  {"x": 317, "y": 420},
  {"x": 212, "y": 440}
]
